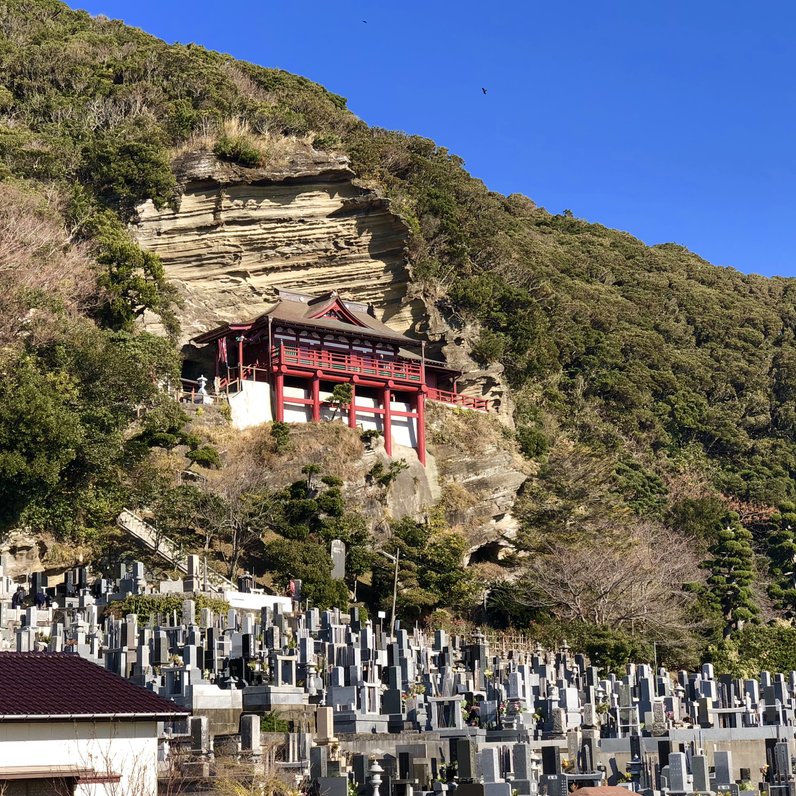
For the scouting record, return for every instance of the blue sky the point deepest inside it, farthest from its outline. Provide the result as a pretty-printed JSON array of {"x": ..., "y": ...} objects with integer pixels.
[{"x": 675, "y": 121}]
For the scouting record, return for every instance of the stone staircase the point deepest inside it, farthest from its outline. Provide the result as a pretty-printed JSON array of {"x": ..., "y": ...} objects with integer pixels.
[{"x": 166, "y": 549}]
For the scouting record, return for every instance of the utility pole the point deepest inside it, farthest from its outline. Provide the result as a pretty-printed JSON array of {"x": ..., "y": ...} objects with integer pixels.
[
  {"x": 395, "y": 558},
  {"x": 394, "y": 590}
]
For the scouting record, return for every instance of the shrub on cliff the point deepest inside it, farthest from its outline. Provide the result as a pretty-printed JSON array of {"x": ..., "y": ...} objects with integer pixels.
[{"x": 239, "y": 149}]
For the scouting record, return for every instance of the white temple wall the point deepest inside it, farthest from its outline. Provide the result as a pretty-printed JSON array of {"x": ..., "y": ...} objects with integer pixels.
[
  {"x": 404, "y": 431},
  {"x": 297, "y": 413},
  {"x": 252, "y": 405}
]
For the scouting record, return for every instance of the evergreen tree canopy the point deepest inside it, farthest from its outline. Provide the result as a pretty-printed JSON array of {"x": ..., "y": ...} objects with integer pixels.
[
  {"x": 782, "y": 556},
  {"x": 732, "y": 573}
]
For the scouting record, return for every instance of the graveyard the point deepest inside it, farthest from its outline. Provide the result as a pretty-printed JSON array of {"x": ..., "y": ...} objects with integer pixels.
[
  {"x": 237, "y": 318},
  {"x": 328, "y": 702}
]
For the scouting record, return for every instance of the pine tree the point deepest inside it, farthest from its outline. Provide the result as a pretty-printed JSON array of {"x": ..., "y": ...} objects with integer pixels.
[
  {"x": 782, "y": 559},
  {"x": 732, "y": 574}
]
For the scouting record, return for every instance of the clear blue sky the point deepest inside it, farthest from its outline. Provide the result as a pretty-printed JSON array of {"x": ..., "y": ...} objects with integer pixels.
[{"x": 673, "y": 120}]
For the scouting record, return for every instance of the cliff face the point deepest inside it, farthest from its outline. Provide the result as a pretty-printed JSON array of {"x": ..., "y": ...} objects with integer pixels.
[
  {"x": 471, "y": 479},
  {"x": 480, "y": 473},
  {"x": 237, "y": 232}
]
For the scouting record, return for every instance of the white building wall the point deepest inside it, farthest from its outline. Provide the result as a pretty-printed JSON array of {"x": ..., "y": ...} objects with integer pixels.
[
  {"x": 369, "y": 422},
  {"x": 129, "y": 749},
  {"x": 252, "y": 405},
  {"x": 297, "y": 413},
  {"x": 404, "y": 429},
  {"x": 253, "y": 601}
]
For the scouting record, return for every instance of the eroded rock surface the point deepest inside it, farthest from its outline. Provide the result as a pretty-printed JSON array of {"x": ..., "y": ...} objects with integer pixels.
[
  {"x": 21, "y": 554},
  {"x": 480, "y": 472},
  {"x": 454, "y": 336},
  {"x": 238, "y": 232}
]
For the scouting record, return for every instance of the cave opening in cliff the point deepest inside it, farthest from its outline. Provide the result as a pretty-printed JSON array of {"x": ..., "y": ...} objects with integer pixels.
[{"x": 489, "y": 553}]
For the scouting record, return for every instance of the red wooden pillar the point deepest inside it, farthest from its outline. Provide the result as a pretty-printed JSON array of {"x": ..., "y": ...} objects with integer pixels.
[
  {"x": 352, "y": 411},
  {"x": 387, "y": 419},
  {"x": 240, "y": 357},
  {"x": 280, "y": 396},
  {"x": 421, "y": 427},
  {"x": 316, "y": 397}
]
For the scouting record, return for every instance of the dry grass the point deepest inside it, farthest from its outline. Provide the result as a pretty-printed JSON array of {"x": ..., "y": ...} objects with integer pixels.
[
  {"x": 233, "y": 778},
  {"x": 251, "y": 456},
  {"x": 467, "y": 431},
  {"x": 460, "y": 432},
  {"x": 276, "y": 150},
  {"x": 456, "y": 498}
]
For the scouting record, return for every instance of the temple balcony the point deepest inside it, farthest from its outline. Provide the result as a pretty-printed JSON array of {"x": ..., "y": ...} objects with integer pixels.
[
  {"x": 306, "y": 361},
  {"x": 333, "y": 362},
  {"x": 457, "y": 399}
]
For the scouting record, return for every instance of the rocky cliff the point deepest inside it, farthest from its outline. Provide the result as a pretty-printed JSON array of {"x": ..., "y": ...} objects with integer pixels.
[
  {"x": 472, "y": 477},
  {"x": 238, "y": 232}
]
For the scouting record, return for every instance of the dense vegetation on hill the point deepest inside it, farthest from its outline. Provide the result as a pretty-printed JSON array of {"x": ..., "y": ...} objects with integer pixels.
[{"x": 657, "y": 392}]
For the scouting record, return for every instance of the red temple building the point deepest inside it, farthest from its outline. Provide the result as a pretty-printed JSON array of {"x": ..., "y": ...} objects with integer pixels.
[{"x": 284, "y": 365}]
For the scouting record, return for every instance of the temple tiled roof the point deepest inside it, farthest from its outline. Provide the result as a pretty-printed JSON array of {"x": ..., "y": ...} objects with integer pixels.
[
  {"x": 301, "y": 309},
  {"x": 40, "y": 685}
]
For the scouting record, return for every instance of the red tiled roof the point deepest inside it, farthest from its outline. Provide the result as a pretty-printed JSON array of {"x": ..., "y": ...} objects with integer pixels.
[{"x": 49, "y": 684}]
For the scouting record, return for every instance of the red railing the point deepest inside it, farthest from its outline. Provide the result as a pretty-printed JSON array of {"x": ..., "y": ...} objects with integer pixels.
[
  {"x": 455, "y": 399},
  {"x": 231, "y": 382},
  {"x": 350, "y": 364}
]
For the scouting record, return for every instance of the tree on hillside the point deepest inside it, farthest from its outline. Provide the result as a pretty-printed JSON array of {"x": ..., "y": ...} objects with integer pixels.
[
  {"x": 732, "y": 573},
  {"x": 573, "y": 498},
  {"x": 188, "y": 514},
  {"x": 65, "y": 404},
  {"x": 37, "y": 270},
  {"x": 310, "y": 562},
  {"x": 245, "y": 517},
  {"x": 635, "y": 586},
  {"x": 308, "y": 515},
  {"x": 782, "y": 559},
  {"x": 431, "y": 572}
]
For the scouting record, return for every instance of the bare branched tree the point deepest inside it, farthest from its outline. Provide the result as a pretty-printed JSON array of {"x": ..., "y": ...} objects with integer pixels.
[
  {"x": 638, "y": 585},
  {"x": 37, "y": 261},
  {"x": 248, "y": 508}
]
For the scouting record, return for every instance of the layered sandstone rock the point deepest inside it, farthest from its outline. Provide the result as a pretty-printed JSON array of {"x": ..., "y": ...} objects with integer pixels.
[{"x": 236, "y": 233}]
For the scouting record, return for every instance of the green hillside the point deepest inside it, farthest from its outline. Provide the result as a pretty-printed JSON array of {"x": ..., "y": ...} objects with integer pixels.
[{"x": 657, "y": 392}]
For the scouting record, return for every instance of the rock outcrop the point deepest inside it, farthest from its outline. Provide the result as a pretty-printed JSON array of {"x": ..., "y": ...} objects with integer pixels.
[
  {"x": 452, "y": 337},
  {"x": 237, "y": 232},
  {"x": 480, "y": 473},
  {"x": 21, "y": 553}
]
